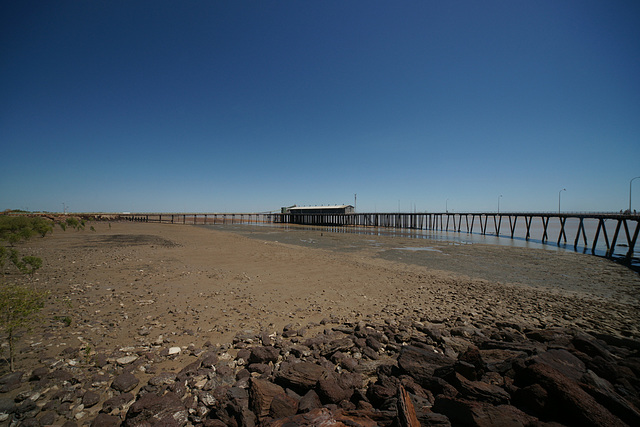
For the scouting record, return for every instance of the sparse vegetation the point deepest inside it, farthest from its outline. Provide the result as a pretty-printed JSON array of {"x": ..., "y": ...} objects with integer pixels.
[
  {"x": 19, "y": 306},
  {"x": 14, "y": 229},
  {"x": 66, "y": 320},
  {"x": 87, "y": 353},
  {"x": 75, "y": 223}
]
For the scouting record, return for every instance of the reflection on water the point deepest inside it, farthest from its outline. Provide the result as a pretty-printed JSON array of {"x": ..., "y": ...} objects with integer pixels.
[{"x": 519, "y": 239}]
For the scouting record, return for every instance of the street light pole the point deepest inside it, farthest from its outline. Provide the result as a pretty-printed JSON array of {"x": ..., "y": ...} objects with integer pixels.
[
  {"x": 446, "y": 206},
  {"x": 559, "y": 193},
  {"x": 499, "y": 203},
  {"x": 630, "y": 191}
]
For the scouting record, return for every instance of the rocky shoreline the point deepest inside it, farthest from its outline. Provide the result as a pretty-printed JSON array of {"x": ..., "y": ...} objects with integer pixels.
[
  {"x": 142, "y": 323},
  {"x": 405, "y": 372}
]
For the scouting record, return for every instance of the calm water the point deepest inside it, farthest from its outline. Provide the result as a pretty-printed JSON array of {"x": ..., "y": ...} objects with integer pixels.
[{"x": 519, "y": 240}]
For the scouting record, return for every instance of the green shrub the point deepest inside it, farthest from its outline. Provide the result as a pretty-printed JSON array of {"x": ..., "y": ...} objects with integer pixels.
[
  {"x": 18, "y": 308},
  {"x": 14, "y": 229}
]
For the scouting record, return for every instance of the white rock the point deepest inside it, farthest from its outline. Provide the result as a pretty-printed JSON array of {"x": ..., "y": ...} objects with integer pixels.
[
  {"x": 175, "y": 350},
  {"x": 201, "y": 383},
  {"x": 207, "y": 399},
  {"x": 126, "y": 360}
]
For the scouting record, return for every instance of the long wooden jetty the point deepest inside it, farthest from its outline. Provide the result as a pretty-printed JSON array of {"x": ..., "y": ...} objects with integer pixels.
[{"x": 552, "y": 227}]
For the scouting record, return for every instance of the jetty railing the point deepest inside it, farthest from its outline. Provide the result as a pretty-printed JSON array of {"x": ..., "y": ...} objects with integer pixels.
[{"x": 627, "y": 226}]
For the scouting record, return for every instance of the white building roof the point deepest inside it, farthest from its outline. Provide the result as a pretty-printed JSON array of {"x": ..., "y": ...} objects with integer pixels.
[{"x": 321, "y": 207}]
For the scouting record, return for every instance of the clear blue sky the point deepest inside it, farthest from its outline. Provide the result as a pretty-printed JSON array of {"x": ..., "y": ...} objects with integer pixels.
[{"x": 223, "y": 106}]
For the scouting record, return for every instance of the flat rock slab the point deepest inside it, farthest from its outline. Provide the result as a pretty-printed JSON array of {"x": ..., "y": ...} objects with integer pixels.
[
  {"x": 125, "y": 382},
  {"x": 567, "y": 400},
  {"x": 299, "y": 376},
  {"x": 420, "y": 363},
  {"x": 126, "y": 360},
  {"x": 151, "y": 409}
]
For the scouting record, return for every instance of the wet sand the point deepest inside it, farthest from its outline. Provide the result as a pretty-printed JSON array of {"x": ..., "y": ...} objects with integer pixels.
[{"x": 131, "y": 284}]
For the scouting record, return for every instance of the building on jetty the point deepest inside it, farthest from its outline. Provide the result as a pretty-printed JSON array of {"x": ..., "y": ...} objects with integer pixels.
[{"x": 335, "y": 209}]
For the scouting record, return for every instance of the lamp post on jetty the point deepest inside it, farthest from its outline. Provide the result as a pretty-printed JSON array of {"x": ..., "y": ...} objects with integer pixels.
[
  {"x": 630, "y": 192},
  {"x": 446, "y": 206},
  {"x": 499, "y": 203},
  {"x": 559, "y": 193}
]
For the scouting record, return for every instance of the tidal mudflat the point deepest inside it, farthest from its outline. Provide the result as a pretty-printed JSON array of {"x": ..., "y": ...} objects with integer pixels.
[{"x": 144, "y": 299}]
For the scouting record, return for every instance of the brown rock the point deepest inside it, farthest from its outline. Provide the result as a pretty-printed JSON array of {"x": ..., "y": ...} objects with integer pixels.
[
  {"x": 406, "y": 412},
  {"x": 526, "y": 347},
  {"x": 532, "y": 398},
  {"x": 340, "y": 344},
  {"x": 243, "y": 354},
  {"x": 125, "y": 382},
  {"x": 330, "y": 391},
  {"x": 478, "y": 390},
  {"x": 47, "y": 418},
  {"x": 283, "y": 406},
  {"x": 467, "y": 370},
  {"x": 590, "y": 345},
  {"x": 606, "y": 395},
  {"x": 163, "y": 378},
  {"x": 546, "y": 335},
  {"x": 62, "y": 375},
  {"x": 567, "y": 402},
  {"x": 374, "y": 343},
  {"x": 214, "y": 423},
  {"x": 100, "y": 360},
  {"x": 299, "y": 350},
  {"x": 209, "y": 360},
  {"x": 420, "y": 363},
  {"x": 309, "y": 401},
  {"x": 325, "y": 417},
  {"x": 335, "y": 388},
  {"x": 260, "y": 368},
  {"x": 151, "y": 409},
  {"x": 261, "y": 394},
  {"x": 105, "y": 420},
  {"x": 189, "y": 370},
  {"x": 481, "y": 414},
  {"x": 264, "y": 354},
  {"x": 472, "y": 355},
  {"x": 10, "y": 381},
  {"x": 116, "y": 402},
  {"x": 243, "y": 374},
  {"x": 563, "y": 361},
  {"x": 299, "y": 376},
  {"x": 344, "y": 360},
  {"x": 382, "y": 390},
  {"x": 39, "y": 373},
  {"x": 90, "y": 398}
]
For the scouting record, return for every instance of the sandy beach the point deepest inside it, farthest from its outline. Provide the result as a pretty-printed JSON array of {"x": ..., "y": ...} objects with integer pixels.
[{"x": 129, "y": 284}]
